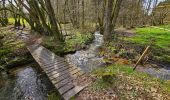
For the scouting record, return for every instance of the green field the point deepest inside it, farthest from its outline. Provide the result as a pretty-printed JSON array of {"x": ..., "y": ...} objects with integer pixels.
[{"x": 159, "y": 37}]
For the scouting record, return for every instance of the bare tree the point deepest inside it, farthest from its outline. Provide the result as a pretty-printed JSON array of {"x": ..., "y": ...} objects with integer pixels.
[{"x": 111, "y": 13}]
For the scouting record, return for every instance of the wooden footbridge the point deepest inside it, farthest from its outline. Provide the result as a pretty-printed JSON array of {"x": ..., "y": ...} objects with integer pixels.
[{"x": 66, "y": 78}]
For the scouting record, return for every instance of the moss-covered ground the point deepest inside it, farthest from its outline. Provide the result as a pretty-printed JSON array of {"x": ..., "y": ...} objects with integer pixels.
[
  {"x": 158, "y": 39},
  {"x": 76, "y": 41},
  {"x": 13, "y": 51},
  {"x": 120, "y": 82}
]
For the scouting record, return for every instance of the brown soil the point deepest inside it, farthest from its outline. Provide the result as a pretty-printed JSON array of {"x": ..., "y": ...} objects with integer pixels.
[{"x": 125, "y": 33}]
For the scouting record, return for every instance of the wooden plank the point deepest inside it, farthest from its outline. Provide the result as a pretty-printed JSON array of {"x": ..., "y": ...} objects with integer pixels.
[
  {"x": 58, "y": 79},
  {"x": 77, "y": 70},
  {"x": 53, "y": 64},
  {"x": 48, "y": 64},
  {"x": 56, "y": 67},
  {"x": 62, "y": 72},
  {"x": 65, "y": 81},
  {"x": 59, "y": 70},
  {"x": 72, "y": 92},
  {"x": 42, "y": 61},
  {"x": 65, "y": 88},
  {"x": 47, "y": 56}
]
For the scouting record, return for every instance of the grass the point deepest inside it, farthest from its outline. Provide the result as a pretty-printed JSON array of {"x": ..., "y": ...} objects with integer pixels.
[
  {"x": 159, "y": 40},
  {"x": 144, "y": 36},
  {"x": 126, "y": 81}
]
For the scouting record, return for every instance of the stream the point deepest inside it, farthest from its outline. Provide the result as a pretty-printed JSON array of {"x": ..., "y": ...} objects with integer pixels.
[
  {"x": 25, "y": 83},
  {"x": 30, "y": 83},
  {"x": 161, "y": 73},
  {"x": 88, "y": 60}
]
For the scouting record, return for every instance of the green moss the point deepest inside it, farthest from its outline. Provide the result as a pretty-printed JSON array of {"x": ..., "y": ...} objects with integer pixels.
[
  {"x": 3, "y": 52},
  {"x": 100, "y": 84},
  {"x": 8, "y": 51},
  {"x": 76, "y": 41},
  {"x": 19, "y": 61},
  {"x": 54, "y": 96}
]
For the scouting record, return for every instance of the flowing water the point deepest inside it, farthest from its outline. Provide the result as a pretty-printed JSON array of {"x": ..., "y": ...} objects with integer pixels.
[
  {"x": 87, "y": 60},
  {"x": 162, "y": 73},
  {"x": 24, "y": 83}
]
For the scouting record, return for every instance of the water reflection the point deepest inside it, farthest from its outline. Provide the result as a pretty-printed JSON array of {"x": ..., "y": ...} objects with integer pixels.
[
  {"x": 26, "y": 83},
  {"x": 161, "y": 73}
]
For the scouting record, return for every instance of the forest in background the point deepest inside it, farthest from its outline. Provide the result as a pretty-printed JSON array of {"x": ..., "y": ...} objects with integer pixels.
[{"x": 128, "y": 27}]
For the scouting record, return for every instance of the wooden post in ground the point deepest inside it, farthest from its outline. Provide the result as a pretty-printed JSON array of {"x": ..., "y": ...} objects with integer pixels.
[{"x": 141, "y": 57}]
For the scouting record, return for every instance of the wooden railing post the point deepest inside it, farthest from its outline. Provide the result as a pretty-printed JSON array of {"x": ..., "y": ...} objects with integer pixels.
[{"x": 141, "y": 57}]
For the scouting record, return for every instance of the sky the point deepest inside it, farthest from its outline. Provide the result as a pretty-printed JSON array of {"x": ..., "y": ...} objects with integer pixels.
[{"x": 152, "y": 5}]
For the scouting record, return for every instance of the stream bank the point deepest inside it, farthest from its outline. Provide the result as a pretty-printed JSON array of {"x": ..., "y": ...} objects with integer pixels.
[
  {"x": 91, "y": 58},
  {"x": 88, "y": 59},
  {"x": 13, "y": 51}
]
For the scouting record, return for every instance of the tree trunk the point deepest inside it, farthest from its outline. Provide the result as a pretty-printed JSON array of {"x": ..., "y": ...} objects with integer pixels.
[
  {"x": 4, "y": 14},
  {"x": 111, "y": 13},
  {"x": 108, "y": 20},
  {"x": 115, "y": 12},
  {"x": 54, "y": 27},
  {"x": 83, "y": 15}
]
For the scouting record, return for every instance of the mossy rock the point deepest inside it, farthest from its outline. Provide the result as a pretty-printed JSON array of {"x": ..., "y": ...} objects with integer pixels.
[
  {"x": 54, "y": 95},
  {"x": 109, "y": 78},
  {"x": 1, "y": 37},
  {"x": 19, "y": 61}
]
